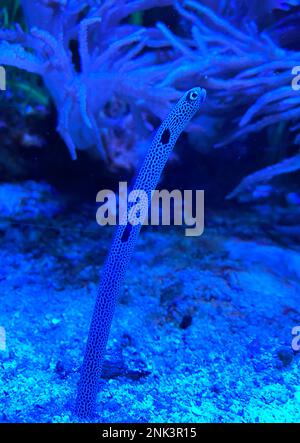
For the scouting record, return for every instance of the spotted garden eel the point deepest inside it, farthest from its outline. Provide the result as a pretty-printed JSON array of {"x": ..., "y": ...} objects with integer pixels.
[{"x": 123, "y": 244}]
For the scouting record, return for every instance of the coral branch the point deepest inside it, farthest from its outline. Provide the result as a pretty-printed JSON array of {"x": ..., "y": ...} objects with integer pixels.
[{"x": 264, "y": 175}]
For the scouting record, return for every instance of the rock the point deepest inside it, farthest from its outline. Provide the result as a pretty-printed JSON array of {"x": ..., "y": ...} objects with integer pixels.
[
  {"x": 186, "y": 321},
  {"x": 285, "y": 356},
  {"x": 28, "y": 199}
]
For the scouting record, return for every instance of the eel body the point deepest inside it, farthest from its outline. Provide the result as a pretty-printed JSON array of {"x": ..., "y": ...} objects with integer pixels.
[{"x": 123, "y": 244}]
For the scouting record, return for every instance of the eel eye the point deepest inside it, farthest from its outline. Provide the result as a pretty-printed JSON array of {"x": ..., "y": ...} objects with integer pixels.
[{"x": 193, "y": 95}]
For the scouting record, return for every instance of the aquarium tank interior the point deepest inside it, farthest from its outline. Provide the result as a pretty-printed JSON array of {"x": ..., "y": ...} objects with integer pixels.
[{"x": 149, "y": 211}]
